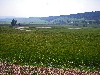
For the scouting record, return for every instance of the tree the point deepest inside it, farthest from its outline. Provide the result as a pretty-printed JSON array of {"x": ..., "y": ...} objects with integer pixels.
[
  {"x": 13, "y": 23},
  {"x": 97, "y": 21},
  {"x": 90, "y": 22}
]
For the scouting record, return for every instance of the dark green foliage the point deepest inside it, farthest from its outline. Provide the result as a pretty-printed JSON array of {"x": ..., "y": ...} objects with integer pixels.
[{"x": 13, "y": 23}]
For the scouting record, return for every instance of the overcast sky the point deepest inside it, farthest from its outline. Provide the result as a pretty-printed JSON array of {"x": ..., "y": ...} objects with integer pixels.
[{"x": 40, "y": 8}]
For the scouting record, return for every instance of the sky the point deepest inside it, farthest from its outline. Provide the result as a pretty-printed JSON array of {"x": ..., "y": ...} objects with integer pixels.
[{"x": 44, "y": 8}]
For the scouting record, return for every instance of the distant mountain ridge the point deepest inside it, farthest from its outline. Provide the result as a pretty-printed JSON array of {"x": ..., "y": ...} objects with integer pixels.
[
  {"x": 86, "y": 15},
  {"x": 72, "y": 19}
]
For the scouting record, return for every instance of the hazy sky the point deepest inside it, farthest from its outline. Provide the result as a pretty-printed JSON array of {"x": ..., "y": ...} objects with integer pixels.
[{"x": 40, "y": 8}]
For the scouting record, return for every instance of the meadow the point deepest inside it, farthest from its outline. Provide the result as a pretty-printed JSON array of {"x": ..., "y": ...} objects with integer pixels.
[{"x": 54, "y": 47}]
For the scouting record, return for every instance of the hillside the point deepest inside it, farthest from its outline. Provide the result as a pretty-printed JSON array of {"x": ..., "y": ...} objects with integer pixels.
[{"x": 79, "y": 19}]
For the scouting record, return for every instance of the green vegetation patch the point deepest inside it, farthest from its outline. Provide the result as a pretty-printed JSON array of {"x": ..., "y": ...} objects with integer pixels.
[{"x": 54, "y": 47}]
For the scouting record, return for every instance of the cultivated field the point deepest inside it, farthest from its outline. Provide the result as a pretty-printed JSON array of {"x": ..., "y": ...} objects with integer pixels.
[{"x": 58, "y": 47}]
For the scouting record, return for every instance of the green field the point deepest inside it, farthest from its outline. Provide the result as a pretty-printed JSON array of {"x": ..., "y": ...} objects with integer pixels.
[{"x": 56, "y": 47}]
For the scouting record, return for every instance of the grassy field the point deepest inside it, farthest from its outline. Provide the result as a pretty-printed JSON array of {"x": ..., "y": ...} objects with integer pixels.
[{"x": 55, "y": 47}]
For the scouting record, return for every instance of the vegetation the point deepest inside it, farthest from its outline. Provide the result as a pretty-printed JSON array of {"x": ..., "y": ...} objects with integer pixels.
[{"x": 56, "y": 47}]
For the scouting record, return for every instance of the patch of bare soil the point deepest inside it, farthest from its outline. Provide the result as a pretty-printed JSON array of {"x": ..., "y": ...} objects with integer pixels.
[
  {"x": 74, "y": 28},
  {"x": 12, "y": 69},
  {"x": 43, "y": 27}
]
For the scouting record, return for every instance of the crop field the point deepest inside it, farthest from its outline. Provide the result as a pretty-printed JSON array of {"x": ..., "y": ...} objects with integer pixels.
[{"x": 51, "y": 47}]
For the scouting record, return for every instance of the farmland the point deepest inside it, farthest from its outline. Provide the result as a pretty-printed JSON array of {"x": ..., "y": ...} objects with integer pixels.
[{"x": 54, "y": 47}]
